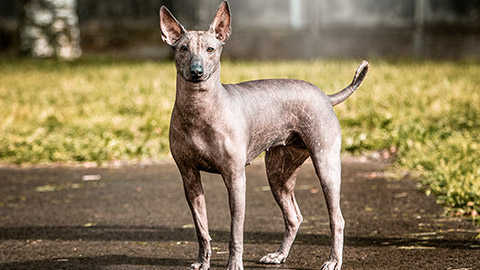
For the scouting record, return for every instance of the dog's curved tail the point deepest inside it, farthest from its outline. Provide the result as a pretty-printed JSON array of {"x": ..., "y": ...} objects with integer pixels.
[{"x": 348, "y": 91}]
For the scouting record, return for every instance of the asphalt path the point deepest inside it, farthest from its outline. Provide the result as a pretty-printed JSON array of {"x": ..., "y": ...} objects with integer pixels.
[{"x": 136, "y": 217}]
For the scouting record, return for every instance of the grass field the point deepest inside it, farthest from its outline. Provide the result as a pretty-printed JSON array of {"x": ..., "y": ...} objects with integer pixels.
[{"x": 102, "y": 110}]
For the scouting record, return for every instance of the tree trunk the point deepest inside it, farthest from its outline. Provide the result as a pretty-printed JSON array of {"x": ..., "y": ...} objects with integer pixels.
[{"x": 49, "y": 28}]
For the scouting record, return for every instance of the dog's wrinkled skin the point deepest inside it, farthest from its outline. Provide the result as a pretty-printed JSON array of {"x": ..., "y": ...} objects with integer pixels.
[{"x": 221, "y": 128}]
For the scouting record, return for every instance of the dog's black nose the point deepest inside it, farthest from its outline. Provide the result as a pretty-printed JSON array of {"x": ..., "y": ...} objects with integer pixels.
[{"x": 196, "y": 70}]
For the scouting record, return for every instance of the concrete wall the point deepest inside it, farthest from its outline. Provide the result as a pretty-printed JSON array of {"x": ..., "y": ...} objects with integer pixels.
[
  {"x": 366, "y": 28},
  {"x": 287, "y": 28}
]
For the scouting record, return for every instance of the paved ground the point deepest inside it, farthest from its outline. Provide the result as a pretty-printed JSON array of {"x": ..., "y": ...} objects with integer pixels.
[{"x": 137, "y": 218}]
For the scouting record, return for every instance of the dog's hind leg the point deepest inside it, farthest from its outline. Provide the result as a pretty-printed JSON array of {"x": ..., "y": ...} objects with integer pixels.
[
  {"x": 327, "y": 163},
  {"x": 282, "y": 164}
]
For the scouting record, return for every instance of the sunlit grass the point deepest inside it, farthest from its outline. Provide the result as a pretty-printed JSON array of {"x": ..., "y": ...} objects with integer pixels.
[
  {"x": 102, "y": 109},
  {"x": 84, "y": 111}
]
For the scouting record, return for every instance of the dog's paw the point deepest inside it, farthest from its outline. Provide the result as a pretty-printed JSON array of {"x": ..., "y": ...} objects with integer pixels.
[
  {"x": 200, "y": 266},
  {"x": 330, "y": 265},
  {"x": 235, "y": 266},
  {"x": 273, "y": 258}
]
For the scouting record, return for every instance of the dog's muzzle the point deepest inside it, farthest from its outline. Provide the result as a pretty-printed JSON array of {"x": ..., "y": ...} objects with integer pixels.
[{"x": 196, "y": 71}]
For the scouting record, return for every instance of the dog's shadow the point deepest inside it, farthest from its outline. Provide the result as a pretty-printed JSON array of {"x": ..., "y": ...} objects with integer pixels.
[
  {"x": 165, "y": 234},
  {"x": 100, "y": 262},
  {"x": 161, "y": 233},
  {"x": 97, "y": 262}
]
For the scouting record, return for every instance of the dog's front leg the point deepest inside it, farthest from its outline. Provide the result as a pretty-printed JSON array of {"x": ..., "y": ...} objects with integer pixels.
[
  {"x": 196, "y": 200},
  {"x": 236, "y": 187}
]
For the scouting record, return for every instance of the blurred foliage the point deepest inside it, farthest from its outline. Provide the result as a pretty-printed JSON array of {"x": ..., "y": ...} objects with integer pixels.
[{"x": 103, "y": 109}]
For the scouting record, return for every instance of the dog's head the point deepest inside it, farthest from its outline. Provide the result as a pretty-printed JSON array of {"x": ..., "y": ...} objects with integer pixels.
[{"x": 197, "y": 53}]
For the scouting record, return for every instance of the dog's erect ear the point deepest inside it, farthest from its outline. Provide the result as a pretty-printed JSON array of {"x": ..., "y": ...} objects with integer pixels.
[
  {"x": 221, "y": 25},
  {"x": 172, "y": 30}
]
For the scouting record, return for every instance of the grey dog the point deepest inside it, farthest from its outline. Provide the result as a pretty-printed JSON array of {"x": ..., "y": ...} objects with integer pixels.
[{"x": 221, "y": 128}]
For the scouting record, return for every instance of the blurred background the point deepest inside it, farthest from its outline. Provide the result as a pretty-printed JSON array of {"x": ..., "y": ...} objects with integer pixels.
[
  {"x": 419, "y": 105},
  {"x": 268, "y": 29}
]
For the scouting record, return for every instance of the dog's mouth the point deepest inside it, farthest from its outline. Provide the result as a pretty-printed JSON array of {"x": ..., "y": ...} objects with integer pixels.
[{"x": 197, "y": 79}]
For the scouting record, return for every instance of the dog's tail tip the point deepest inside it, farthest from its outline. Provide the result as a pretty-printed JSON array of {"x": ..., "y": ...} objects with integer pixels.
[
  {"x": 356, "y": 82},
  {"x": 360, "y": 74}
]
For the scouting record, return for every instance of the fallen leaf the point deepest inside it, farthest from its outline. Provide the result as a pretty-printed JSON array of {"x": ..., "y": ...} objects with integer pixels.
[
  {"x": 415, "y": 247},
  {"x": 265, "y": 188},
  {"x": 75, "y": 186},
  {"x": 45, "y": 188},
  {"x": 423, "y": 234},
  {"x": 90, "y": 164},
  {"x": 460, "y": 212},
  {"x": 91, "y": 177},
  {"x": 400, "y": 195}
]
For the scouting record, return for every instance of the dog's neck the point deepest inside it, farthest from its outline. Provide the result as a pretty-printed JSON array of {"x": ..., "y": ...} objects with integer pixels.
[{"x": 202, "y": 98}]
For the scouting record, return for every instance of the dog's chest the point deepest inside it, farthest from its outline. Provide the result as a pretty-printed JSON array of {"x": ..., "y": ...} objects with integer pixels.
[{"x": 206, "y": 145}]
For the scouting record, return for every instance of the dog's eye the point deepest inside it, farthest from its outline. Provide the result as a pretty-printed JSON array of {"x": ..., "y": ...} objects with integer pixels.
[
  {"x": 210, "y": 49},
  {"x": 184, "y": 48}
]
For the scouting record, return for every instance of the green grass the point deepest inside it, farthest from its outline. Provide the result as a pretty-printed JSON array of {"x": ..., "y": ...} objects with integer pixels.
[
  {"x": 89, "y": 110},
  {"x": 102, "y": 110}
]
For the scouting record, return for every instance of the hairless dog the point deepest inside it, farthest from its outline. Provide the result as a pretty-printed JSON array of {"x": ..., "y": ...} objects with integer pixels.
[{"x": 221, "y": 128}]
